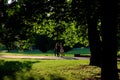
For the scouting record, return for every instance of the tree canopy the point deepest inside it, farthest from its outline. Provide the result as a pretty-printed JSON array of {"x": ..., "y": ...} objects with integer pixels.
[{"x": 25, "y": 18}]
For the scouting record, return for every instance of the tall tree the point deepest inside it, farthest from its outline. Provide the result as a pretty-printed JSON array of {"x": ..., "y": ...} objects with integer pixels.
[
  {"x": 88, "y": 14},
  {"x": 93, "y": 33},
  {"x": 94, "y": 42},
  {"x": 109, "y": 40}
]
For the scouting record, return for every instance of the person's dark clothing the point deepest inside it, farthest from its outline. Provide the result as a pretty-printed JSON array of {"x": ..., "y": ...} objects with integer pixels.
[{"x": 57, "y": 49}]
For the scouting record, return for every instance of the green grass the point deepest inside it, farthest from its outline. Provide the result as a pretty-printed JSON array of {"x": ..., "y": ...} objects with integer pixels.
[{"x": 33, "y": 69}]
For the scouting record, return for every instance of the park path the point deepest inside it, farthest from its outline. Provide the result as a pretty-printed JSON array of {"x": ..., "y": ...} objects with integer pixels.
[{"x": 44, "y": 57}]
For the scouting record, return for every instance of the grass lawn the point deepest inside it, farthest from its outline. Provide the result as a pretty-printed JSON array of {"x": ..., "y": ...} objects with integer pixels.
[{"x": 34, "y": 69}]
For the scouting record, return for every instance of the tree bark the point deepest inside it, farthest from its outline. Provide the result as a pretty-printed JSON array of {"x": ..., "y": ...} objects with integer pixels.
[
  {"x": 1, "y": 11},
  {"x": 94, "y": 42},
  {"x": 93, "y": 34},
  {"x": 109, "y": 41}
]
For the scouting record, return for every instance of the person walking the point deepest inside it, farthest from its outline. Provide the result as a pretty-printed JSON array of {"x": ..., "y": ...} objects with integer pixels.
[
  {"x": 57, "y": 49},
  {"x": 61, "y": 50}
]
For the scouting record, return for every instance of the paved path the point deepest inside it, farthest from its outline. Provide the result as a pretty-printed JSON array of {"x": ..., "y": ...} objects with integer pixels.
[{"x": 45, "y": 57}]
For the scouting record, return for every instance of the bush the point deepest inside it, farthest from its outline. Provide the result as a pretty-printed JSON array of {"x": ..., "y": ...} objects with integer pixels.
[{"x": 2, "y": 46}]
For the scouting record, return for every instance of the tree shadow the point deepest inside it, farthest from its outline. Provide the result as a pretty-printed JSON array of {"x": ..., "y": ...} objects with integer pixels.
[
  {"x": 56, "y": 77},
  {"x": 118, "y": 62},
  {"x": 9, "y": 68},
  {"x": 118, "y": 70},
  {"x": 69, "y": 58}
]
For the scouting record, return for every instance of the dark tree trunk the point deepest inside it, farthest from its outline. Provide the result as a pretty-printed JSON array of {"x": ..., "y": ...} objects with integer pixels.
[
  {"x": 93, "y": 34},
  {"x": 1, "y": 10},
  {"x": 109, "y": 41},
  {"x": 94, "y": 42}
]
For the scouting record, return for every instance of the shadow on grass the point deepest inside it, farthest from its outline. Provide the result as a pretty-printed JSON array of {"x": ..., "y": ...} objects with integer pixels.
[
  {"x": 69, "y": 58},
  {"x": 9, "y": 68},
  {"x": 56, "y": 77}
]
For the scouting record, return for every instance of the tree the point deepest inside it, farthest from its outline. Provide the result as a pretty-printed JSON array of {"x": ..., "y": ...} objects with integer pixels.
[
  {"x": 56, "y": 23},
  {"x": 93, "y": 33},
  {"x": 94, "y": 42},
  {"x": 12, "y": 26},
  {"x": 109, "y": 40},
  {"x": 88, "y": 14}
]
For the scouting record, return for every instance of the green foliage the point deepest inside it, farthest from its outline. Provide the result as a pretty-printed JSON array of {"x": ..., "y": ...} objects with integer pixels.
[
  {"x": 67, "y": 32},
  {"x": 74, "y": 34},
  {"x": 2, "y": 46},
  {"x": 45, "y": 28},
  {"x": 25, "y": 19},
  {"x": 70, "y": 35},
  {"x": 11, "y": 11},
  {"x": 23, "y": 44}
]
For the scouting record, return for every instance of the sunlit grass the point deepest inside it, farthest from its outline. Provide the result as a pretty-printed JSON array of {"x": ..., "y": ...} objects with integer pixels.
[{"x": 33, "y": 69}]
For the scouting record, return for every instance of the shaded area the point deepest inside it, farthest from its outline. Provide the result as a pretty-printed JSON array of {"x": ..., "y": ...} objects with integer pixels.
[
  {"x": 74, "y": 58},
  {"x": 118, "y": 62},
  {"x": 9, "y": 68},
  {"x": 56, "y": 77}
]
